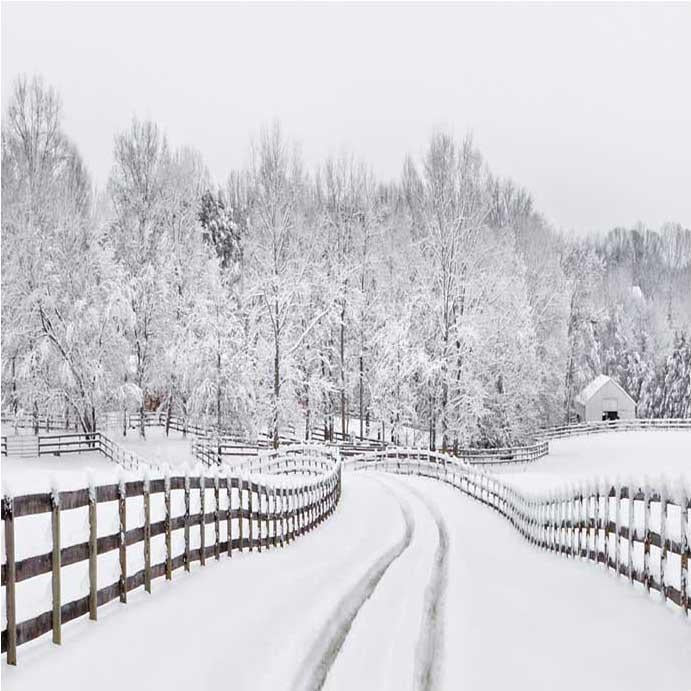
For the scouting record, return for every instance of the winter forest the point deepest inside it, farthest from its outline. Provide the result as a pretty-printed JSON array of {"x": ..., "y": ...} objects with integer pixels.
[{"x": 292, "y": 298}]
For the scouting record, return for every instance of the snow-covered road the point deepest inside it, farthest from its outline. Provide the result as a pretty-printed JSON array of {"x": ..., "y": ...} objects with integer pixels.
[{"x": 408, "y": 585}]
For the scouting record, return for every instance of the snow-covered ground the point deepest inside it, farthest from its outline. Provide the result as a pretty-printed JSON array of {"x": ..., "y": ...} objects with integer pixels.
[
  {"x": 38, "y": 474},
  {"x": 622, "y": 455},
  {"x": 173, "y": 450},
  {"x": 373, "y": 600}
]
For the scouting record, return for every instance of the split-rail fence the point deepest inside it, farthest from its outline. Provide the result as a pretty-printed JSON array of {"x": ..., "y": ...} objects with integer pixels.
[
  {"x": 235, "y": 512},
  {"x": 637, "y": 531}
]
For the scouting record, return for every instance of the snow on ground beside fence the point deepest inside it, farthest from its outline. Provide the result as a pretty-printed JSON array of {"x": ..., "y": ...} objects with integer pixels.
[
  {"x": 33, "y": 475},
  {"x": 522, "y": 618},
  {"x": 512, "y": 617},
  {"x": 625, "y": 455},
  {"x": 173, "y": 450},
  {"x": 30, "y": 475}
]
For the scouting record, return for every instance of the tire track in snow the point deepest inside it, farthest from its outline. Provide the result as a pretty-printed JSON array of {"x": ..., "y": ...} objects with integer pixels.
[
  {"x": 430, "y": 645},
  {"x": 316, "y": 667}
]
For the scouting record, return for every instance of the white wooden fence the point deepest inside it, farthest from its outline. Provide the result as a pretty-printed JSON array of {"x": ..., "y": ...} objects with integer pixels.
[
  {"x": 635, "y": 424},
  {"x": 639, "y": 532}
]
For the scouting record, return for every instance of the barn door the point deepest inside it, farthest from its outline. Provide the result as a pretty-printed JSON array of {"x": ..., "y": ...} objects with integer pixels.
[{"x": 610, "y": 409}]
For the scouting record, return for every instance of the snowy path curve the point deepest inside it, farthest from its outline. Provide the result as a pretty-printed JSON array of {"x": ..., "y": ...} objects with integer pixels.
[
  {"x": 247, "y": 622},
  {"x": 430, "y": 647},
  {"x": 320, "y": 659},
  {"x": 395, "y": 640}
]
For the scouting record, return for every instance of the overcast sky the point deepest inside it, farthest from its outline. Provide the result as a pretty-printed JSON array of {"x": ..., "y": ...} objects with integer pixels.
[{"x": 588, "y": 106}]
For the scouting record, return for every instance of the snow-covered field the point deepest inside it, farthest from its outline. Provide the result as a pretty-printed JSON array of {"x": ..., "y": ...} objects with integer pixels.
[
  {"x": 408, "y": 585},
  {"x": 173, "y": 450},
  {"x": 622, "y": 455},
  {"x": 374, "y": 601},
  {"x": 38, "y": 474}
]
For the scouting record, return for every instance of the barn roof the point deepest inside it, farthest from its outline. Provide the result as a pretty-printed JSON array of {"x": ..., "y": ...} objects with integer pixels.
[{"x": 589, "y": 391}]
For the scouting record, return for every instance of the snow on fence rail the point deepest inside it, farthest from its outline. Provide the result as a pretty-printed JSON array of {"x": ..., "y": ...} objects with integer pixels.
[
  {"x": 217, "y": 451},
  {"x": 635, "y": 530},
  {"x": 503, "y": 456},
  {"x": 308, "y": 459},
  {"x": 241, "y": 512},
  {"x": 634, "y": 424},
  {"x": 475, "y": 457}
]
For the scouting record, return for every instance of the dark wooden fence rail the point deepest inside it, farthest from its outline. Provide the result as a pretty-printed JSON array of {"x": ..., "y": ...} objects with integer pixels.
[
  {"x": 39, "y": 422},
  {"x": 503, "y": 456},
  {"x": 619, "y": 526},
  {"x": 260, "y": 514},
  {"x": 59, "y": 444}
]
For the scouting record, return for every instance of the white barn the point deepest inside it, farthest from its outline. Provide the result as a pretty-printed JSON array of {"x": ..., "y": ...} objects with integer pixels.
[{"x": 604, "y": 399}]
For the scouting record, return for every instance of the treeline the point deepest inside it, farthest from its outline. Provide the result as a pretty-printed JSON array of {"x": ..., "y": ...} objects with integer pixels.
[{"x": 442, "y": 303}]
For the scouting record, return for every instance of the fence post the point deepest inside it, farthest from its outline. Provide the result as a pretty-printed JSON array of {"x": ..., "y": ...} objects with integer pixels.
[
  {"x": 297, "y": 512},
  {"x": 217, "y": 524},
  {"x": 186, "y": 556},
  {"x": 166, "y": 499},
  {"x": 283, "y": 515},
  {"x": 304, "y": 509},
  {"x": 571, "y": 513},
  {"x": 663, "y": 540},
  {"x": 312, "y": 503},
  {"x": 274, "y": 492},
  {"x": 268, "y": 519},
  {"x": 240, "y": 511},
  {"x": 632, "y": 532},
  {"x": 259, "y": 518},
  {"x": 606, "y": 494},
  {"x": 55, "y": 524},
  {"x": 250, "y": 513},
  {"x": 202, "y": 518},
  {"x": 10, "y": 580},
  {"x": 596, "y": 523},
  {"x": 684, "y": 547},
  {"x": 646, "y": 536},
  {"x": 147, "y": 533},
  {"x": 122, "y": 510},
  {"x": 229, "y": 491},
  {"x": 583, "y": 525},
  {"x": 617, "y": 530},
  {"x": 93, "y": 552}
]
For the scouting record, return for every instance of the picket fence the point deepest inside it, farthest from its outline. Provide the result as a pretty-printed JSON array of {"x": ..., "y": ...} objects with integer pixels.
[
  {"x": 639, "y": 532},
  {"x": 257, "y": 512}
]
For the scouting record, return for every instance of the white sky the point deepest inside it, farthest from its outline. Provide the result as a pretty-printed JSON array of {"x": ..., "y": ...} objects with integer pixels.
[{"x": 588, "y": 106}]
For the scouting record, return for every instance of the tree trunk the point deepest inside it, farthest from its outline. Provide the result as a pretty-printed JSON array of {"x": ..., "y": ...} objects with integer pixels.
[
  {"x": 183, "y": 405},
  {"x": 344, "y": 420},
  {"x": 362, "y": 381},
  {"x": 218, "y": 388},
  {"x": 15, "y": 401},
  {"x": 169, "y": 413},
  {"x": 277, "y": 391},
  {"x": 142, "y": 431}
]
